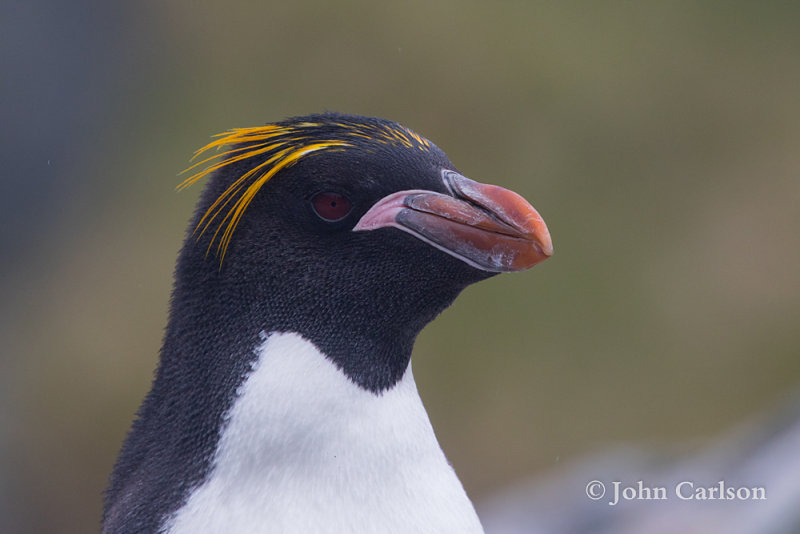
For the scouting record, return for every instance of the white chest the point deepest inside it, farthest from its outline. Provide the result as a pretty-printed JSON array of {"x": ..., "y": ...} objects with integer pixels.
[{"x": 306, "y": 450}]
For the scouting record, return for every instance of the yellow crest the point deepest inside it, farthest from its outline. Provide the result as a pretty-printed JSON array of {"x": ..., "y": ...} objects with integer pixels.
[{"x": 280, "y": 145}]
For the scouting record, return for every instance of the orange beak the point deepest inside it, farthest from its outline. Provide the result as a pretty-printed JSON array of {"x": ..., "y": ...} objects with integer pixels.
[{"x": 486, "y": 226}]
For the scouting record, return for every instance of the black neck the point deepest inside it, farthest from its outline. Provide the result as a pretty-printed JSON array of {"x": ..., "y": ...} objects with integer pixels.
[{"x": 216, "y": 322}]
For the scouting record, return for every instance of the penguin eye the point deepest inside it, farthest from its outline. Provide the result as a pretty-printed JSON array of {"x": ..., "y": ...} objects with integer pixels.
[{"x": 331, "y": 207}]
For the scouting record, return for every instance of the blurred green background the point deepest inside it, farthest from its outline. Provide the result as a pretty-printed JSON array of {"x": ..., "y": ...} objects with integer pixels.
[{"x": 660, "y": 141}]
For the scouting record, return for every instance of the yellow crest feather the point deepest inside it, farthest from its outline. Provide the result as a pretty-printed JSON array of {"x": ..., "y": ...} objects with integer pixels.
[{"x": 282, "y": 144}]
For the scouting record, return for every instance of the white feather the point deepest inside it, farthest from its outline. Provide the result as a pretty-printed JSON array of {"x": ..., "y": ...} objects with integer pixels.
[{"x": 306, "y": 450}]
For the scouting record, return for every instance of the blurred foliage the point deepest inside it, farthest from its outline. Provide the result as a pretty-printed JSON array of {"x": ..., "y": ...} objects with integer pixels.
[{"x": 659, "y": 141}]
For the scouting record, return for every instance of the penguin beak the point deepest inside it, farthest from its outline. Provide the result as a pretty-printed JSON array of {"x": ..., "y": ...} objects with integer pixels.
[{"x": 486, "y": 226}]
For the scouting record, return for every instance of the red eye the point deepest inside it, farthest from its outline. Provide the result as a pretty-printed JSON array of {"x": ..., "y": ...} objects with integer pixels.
[{"x": 331, "y": 206}]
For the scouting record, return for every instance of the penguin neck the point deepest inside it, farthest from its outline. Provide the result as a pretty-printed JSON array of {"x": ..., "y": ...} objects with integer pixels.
[
  {"x": 210, "y": 347},
  {"x": 368, "y": 330}
]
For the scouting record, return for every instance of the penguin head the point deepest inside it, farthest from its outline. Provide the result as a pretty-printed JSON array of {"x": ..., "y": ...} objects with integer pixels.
[{"x": 355, "y": 231}]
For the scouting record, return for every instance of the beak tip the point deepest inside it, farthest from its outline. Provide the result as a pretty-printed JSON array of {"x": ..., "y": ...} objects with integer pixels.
[
  {"x": 546, "y": 244},
  {"x": 540, "y": 236}
]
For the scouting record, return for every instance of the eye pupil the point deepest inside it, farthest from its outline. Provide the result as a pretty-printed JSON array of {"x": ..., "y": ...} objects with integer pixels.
[{"x": 331, "y": 206}]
